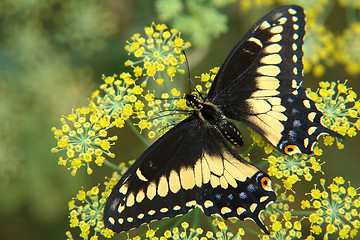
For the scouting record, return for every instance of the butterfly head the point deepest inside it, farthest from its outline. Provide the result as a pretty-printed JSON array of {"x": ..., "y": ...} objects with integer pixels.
[{"x": 193, "y": 101}]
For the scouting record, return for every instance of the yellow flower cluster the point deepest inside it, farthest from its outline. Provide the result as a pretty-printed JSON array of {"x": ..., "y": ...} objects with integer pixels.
[
  {"x": 160, "y": 51},
  {"x": 162, "y": 113},
  {"x": 224, "y": 231},
  {"x": 120, "y": 98},
  {"x": 88, "y": 217},
  {"x": 207, "y": 80},
  {"x": 348, "y": 42},
  {"x": 282, "y": 221},
  {"x": 318, "y": 47},
  {"x": 261, "y": 142},
  {"x": 323, "y": 47},
  {"x": 186, "y": 232},
  {"x": 291, "y": 168},
  {"x": 83, "y": 136},
  {"x": 284, "y": 230},
  {"x": 336, "y": 210},
  {"x": 340, "y": 108}
]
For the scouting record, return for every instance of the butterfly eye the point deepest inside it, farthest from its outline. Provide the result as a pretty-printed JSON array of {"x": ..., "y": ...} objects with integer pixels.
[
  {"x": 191, "y": 99},
  {"x": 291, "y": 149},
  {"x": 188, "y": 103},
  {"x": 266, "y": 183}
]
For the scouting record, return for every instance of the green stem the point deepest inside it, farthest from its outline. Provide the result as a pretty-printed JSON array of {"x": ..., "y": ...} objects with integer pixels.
[
  {"x": 213, "y": 228},
  {"x": 261, "y": 164},
  {"x": 249, "y": 149},
  {"x": 137, "y": 133},
  {"x": 111, "y": 165},
  {"x": 165, "y": 85},
  {"x": 196, "y": 218}
]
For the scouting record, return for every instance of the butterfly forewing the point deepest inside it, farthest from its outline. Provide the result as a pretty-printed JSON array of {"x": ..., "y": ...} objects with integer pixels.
[
  {"x": 269, "y": 42},
  {"x": 260, "y": 83},
  {"x": 191, "y": 165}
]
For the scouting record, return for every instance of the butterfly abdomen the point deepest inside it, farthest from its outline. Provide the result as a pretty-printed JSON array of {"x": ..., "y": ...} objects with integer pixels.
[{"x": 231, "y": 133}]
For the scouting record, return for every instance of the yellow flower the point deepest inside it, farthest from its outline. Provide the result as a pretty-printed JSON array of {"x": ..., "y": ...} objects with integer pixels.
[
  {"x": 222, "y": 226},
  {"x": 315, "y": 229},
  {"x": 150, "y": 233},
  {"x": 305, "y": 204},
  {"x": 160, "y": 81},
  {"x": 351, "y": 132},
  {"x": 329, "y": 140},
  {"x": 138, "y": 90},
  {"x": 315, "y": 193},
  {"x": 185, "y": 225},
  {"x": 175, "y": 92},
  {"x": 276, "y": 226}
]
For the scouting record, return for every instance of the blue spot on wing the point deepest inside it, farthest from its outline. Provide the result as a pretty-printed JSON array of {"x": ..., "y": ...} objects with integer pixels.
[
  {"x": 218, "y": 196},
  {"x": 295, "y": 111},
  {"x": 297, "y": 123},
  {"x": 292, "y": 135},
  {"x": 251, "y": 188},
  {"x": 243, "y": 195}
]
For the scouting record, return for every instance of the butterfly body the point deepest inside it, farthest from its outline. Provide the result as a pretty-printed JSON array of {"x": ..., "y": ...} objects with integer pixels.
[
  {"x": 193, "y": 165},
  {"x": 213, "y": 116}
]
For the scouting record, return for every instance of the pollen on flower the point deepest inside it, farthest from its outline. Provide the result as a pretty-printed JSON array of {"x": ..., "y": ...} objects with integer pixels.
[
  {"x": 159, "y": 81},
  {"x": 336, "y": 209},
  {"x": 84, "y": 128},
  {"x": 175, "y": 92},
  {"x": 341, "y": 109},
  {"x": 290, "y": 168},
  {"x": 159, "y": 51},
  {"x": 261, "y": 142},
  {"x": 161, "y": 114},
  {"x": 143, "y": 124},
  {"x": 87, "y": 216}
]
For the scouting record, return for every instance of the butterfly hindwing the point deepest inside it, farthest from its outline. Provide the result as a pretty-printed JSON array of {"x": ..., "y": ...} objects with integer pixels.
[
  {"x": 245, "y": 201},
  {"x": 191, "y": 165},
  {"x": 260, "y": 83}
]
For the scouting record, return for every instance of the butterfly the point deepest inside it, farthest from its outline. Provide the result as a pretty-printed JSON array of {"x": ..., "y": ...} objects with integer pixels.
[{"x": 193, "y": 164}]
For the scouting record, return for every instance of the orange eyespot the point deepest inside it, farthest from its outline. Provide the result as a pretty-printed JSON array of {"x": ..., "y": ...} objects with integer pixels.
[
  {"x": 265, "y": 182},
  {"x": 291, "y": 149}
]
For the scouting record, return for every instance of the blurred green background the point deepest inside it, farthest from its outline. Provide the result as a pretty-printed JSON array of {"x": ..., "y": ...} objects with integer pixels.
[{"x": 52, "y": 56}]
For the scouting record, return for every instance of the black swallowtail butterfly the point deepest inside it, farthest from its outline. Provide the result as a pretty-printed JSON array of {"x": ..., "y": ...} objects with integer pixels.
[{"x": 192, "y": 165}]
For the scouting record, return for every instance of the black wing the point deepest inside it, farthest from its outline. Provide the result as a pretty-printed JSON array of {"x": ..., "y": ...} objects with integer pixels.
[
  {"x": 191, "y": 165},
  {"x": 259, "y": 83}
]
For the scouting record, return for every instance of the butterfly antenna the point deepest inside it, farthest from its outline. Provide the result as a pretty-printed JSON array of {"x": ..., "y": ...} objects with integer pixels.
[
  {"x": 173, "y": 98},
  {"x": 172, "y": 113},
  {"x": 189, "y": 76}
]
